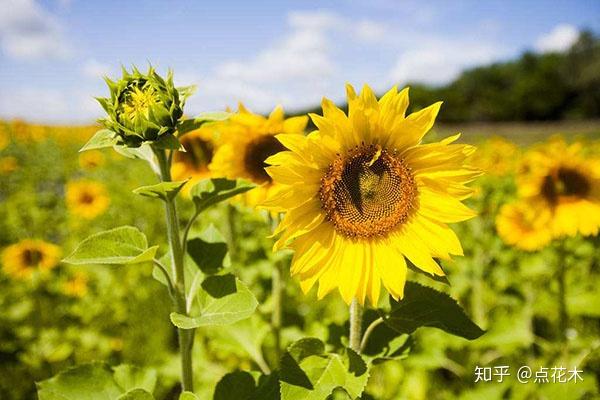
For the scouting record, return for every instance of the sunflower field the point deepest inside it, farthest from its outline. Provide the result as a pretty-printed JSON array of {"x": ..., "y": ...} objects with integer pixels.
[{"x": 364, "y": 253}]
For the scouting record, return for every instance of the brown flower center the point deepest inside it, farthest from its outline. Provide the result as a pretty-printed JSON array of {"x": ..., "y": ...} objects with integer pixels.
[
  {"x": 198, "y": 153},
  {"x": 86, "y": 198},
  {"x": 257, "y": 151},
  {"x": 368, "y": 192},
  {"x": 31, "y": 257},
  {"x": 565, "y": 182}
]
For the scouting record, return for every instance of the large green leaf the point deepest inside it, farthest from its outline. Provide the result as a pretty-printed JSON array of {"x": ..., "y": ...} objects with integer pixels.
[
  {"x": 123, "y": 245},
  {"x": 307, "y": 373},
  {"x": 424, "y": 306},
  {"x": 242, "y": 385},
  {"x": 209, "y": 192},
  {"x": 208, "y": 250},
  {"x": 222, "y": 300},
  {"x": 97, "y": 381},
  {"x": 188, "y": 396},
  {"x": 101, "y": 139},
  {"x": 164, "y": 190},
  {"x": 136, "y": 394}
]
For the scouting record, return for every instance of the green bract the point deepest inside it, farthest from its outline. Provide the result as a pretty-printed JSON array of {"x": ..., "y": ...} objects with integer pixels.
[{"x": 143, "y": 107}]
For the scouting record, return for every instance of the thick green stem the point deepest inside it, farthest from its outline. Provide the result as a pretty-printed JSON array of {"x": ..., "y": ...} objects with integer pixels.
[
  {"x": 356, "y": 311},
  {"x": 186, "y": 337}
]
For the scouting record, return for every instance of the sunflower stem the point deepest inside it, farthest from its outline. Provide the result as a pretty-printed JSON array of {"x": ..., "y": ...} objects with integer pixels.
[
  {"x": 356, "y": 311},
  {"x": 276, "y": 296},
  {"x": 563, "y": 317},
  {"x": 185, "y": 337}
]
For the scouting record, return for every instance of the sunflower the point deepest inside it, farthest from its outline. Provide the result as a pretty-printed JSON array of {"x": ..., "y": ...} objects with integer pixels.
[
  {"x": 362, "y": 195},
  {"x": 76, "y": 286},
  {"x": 8, "y": 165},
  {"x": 246, "y": 140},
  {"x": 4, "y": 137},
  {"x": 87, "y": 199},
  {"x": 497, "y": 156},
  {"x": 567, "y": 185},
  {"x": 524, "y": 225},
  {"x": 91, "y": 159},
  {"x": 21, "y": 259},
  {"x": 193, "y": 163}
]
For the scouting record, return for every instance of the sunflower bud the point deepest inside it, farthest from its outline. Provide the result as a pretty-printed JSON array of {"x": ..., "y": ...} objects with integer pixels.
[{"x": 143, "y": 107}]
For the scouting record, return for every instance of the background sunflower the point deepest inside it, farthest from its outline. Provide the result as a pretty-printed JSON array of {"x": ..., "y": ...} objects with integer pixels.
[
  {"x": 87, "y": 199},
  {"x": 246, "y": 140},
  {"x": 21, "y": 260}
]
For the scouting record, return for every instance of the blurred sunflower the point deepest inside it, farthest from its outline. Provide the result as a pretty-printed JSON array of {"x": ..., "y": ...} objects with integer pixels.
[
  {"x": 4, "y": 137},
  {"x": 246, "y": 140},
  {"x": 566, "y": 184},
  {"x": 21, "y": 259},
  {"x": 524, "y": 225},
  {"x": 193, "y": 163},
  {"x": 362, "y": 194},
  {"x": 76, "y": 286},
  {"x": 87, "y": 199},
  {"x": 91, "y": 159},
  {"x": 497, "y": 156},
  {"x": 8, "y": 165}
]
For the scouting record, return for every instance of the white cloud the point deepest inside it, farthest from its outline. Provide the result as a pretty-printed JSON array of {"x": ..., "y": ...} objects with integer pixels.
[
  {"x": 559, "y": 39},
  {"x": 94, "y": 69},
  {"x": 27, "y": 31},
  {"x": 440, "y": 62}
]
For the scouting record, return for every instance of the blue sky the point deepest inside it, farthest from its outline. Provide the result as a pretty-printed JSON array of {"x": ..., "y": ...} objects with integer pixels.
[{"x": 53, "y": 53}]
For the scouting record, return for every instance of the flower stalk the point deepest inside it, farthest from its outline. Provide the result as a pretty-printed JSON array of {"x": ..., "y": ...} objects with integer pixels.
[
  {"x": 356, "y": 312},
  {"x": 185, "y": 336}
]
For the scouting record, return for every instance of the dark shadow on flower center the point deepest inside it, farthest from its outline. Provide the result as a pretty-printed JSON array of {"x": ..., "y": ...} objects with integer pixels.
[
  {"x": 565, "y": 182},
  {"x": 257, "y": 151},
  {"x": 368, "y": 192}
]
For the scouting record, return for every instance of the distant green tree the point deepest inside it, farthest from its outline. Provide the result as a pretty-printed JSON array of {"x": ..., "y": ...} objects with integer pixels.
[{"x": 549, "y": 86}]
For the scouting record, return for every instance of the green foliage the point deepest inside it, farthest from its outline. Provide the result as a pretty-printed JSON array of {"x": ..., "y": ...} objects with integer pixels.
[
  {"x": 424, "y": 306},
  {"x": 189, "y": 125},
  {"x": 164, "y": 190},
  {"x": 124, "y": 245},
  {"x": 208, "y": 250},
  {"x": 101, "y": 139},
  {"x": 308, "y": 373},
  {"x": 221, "y": 300},
  {"x": 97, "y": 381},
  {"x": 209, "y": 192}
]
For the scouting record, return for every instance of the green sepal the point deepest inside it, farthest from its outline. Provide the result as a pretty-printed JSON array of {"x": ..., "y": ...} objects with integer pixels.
[{"x": 101, "y": 139}]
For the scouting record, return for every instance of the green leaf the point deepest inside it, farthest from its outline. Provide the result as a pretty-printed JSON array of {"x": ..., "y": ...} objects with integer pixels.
[
  {"x": 242, "y": 385},
  {"x": 86, "y": 382},
  {"x": 209, "y": 192},
  {"x": 101, "y": 139},
  {"x": 168, "y": 142},
  {"x": 188, "y": 396},
  {"x": 237, "y": 385},
  {"x": 164, "y": 190},
  {"x": 223, "y": 300},
  {"x": 424, "y": 306},
  {"x": 309, "y": 374},
  {"x": 123, "y": 245},
  {"x": 131, "y": 377},
  {"x": 97, "y": 381},
  {"x": 136, "y": 394},
  {"x": 208, "y": 250},
  {"x": 191, "y": 124},
  {"x": 384, "y": 343}
]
